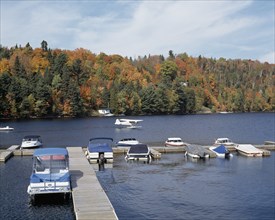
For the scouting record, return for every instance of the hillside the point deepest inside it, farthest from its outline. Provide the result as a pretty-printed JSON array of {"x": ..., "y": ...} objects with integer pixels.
[{"x": 45, "y": 82}]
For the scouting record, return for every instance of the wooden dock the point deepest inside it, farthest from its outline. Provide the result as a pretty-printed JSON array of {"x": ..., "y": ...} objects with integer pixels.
[
  {"x": 6, "y": 154},
  {"x": 155, "y": 154},
  {"x": 89, "y": 199}
]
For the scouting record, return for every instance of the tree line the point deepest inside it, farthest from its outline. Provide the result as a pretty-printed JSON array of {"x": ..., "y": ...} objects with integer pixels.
[{"x": 44, "y": 82}]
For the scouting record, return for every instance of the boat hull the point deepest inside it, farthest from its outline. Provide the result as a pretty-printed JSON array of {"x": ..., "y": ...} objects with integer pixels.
[
  {"x": 100, "y": 157},
  {"x": 196, "y": 156},
  {"x": 174, "y": 144},
  {"x": 7, "y": 128},
  {"x": 48, "y": 188},
  {"x": 31, "y": 145},
  {"x": 139, "y": 157},
  {"x": 221, "y": 155}
]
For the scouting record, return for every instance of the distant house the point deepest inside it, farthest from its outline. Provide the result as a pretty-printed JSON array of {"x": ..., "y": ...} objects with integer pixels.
[{"x": 105, "y": 112}]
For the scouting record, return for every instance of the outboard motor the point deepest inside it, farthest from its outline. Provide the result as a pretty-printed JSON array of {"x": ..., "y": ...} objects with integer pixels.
[{"x": 101, "y": 159}]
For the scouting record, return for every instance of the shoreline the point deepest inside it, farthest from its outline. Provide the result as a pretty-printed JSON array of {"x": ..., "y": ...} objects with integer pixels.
[{"x": 113, "y": 116}]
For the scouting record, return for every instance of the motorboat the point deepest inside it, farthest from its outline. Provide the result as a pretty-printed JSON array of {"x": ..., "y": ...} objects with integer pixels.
[
  {"x": 31, "y": 141},
  {"x": 6, "y": 128},
  {"x": 224, "y": 141},
  {"x": 105, "y": 112},
  {"x": 174, "y": 142},
  {"x": 196, "y": 152},
  {"x": 128, "y": 123},
  {"x": 50, "y": 172},
  {"x": 221, "y": 151},
  {"x": 139, "y": 152},
  {"x": 248, "y": 150},
  {"x": 99, "y": 150},
  {"x": 127, "y": 142}
]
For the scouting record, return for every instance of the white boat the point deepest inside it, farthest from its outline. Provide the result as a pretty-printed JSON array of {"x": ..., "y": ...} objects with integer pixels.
[
  {"x": 50, "y": 172},
  {"x": 138, "y": 152},
  {"x": 174, "y": 142},
  {"x": 129, "y": 123},
  {"x": 248, "y": 150},
  {"x": 221, "y": 151},
  {"x": 224, "y": 141},
  {"x": 105, "y": 112},
  {"x": 7, "y": 128},
  {"x": 99, "y": 150},
  {"x": 31, "y": 141},
  {"x": 127, "y": 142},
  {"x": 196, "y": 152}
]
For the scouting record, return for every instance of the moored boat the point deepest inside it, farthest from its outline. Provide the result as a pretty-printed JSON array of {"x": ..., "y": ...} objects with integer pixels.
[
  {"x": 99, "y": 150},
  {"x": 138, "y": 152},
  {"x": 248, "y": 150},
  {"x": 6, "y": 128},
  {"x": 31, "y": 141},
  {"x": 224, "y": 141},
  {"x": 196, "y": 152},
  {"x": 221, "y": 151},
  {"x": 50, "y": 172},
  {"x": 174, "y": 142},
  {"x": 127, "y": 142}
]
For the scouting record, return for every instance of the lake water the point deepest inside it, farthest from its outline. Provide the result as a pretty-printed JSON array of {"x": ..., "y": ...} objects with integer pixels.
[
  {"x": 254, "y": 128},
  {"x": 170, "y": 188}
]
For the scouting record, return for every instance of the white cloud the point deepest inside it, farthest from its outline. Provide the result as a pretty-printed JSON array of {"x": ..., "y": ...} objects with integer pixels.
[
  {"x": 129, "y": 28},
  {"x": 156, "y": 27}
]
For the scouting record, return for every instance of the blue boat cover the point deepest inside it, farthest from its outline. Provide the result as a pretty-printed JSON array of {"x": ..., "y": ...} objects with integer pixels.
[
  {"x": 32, "y": 136},
  {"x": 50, "y": 151},
  {"x": 138, "y": 148},
  {"x": 221, "y": 149},
  {"x": 99, "y": 147},
  {"x": 58, "y": 177}
]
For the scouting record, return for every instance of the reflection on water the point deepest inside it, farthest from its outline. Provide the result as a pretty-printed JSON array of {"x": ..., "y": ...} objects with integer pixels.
[
  {"x": 50, "y": 200},
  {"x": 178, "y": 188}
]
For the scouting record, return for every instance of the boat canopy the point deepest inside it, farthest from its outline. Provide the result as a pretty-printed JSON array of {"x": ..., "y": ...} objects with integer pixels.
[
  {"x": 32, "y": 137},
  {"x": 99, "y": 144},
  {"x": 138, "y": 148},
  {"x": 99, "y": 147},
  {"x": 174, "y": 139},
  {"x": 50, "y": 151},
  {"x": 101, "y": 138},
  {"x": 220, "y": 149}
]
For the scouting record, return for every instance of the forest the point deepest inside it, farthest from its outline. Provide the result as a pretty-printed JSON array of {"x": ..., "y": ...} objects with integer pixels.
[{"x": 44, "y": 82}]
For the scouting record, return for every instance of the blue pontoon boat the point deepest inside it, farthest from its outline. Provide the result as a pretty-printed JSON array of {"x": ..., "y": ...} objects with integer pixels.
[
  {"x": 50, "y": 172},
  {"x": 100, "y": 150}
]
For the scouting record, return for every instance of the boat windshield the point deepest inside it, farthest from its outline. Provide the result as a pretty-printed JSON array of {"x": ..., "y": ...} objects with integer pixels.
[{"x": 51, "y": 164}]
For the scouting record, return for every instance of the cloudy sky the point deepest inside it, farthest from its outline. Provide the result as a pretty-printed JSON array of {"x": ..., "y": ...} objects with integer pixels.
[{"x": 211, "y": 28}]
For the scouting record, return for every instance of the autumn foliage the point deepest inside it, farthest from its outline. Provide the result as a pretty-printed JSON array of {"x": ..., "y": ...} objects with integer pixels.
[{"x": 43, "y": 82}]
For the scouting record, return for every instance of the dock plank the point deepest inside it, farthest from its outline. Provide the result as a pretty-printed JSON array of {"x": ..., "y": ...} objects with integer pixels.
[
  {"x": 5, "y": 155},
  {"x": 89, "y": 199}
]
